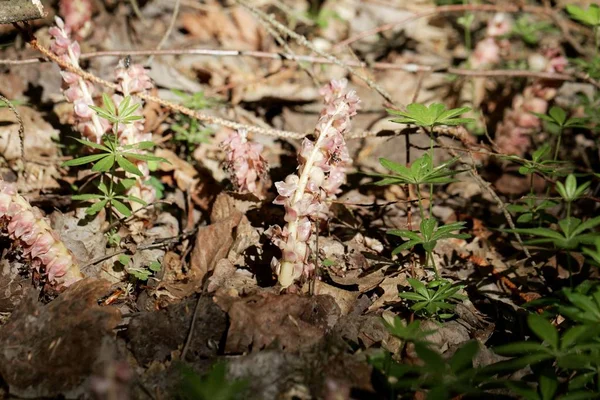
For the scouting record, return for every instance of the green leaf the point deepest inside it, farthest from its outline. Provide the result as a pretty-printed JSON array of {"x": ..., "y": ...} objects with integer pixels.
[
  {"x": 411, "y": 296},
  {"x": 108, "y": 104},
  {"x": 520, "y": 348},
  {"x": 145, "y": 157},
  {"x": 86, "y": 197},
  {"x": 83, "y": 160},
  {"x": 102, "y": 187},
  {"x": 431, "y": 358},
  {"x": 400, "y": 169},
  {"x": 128, "y": 166},
  {"x": 124, "y": 259},
  {"x": 145, "y": 145},
  {"x": 543, "y": 329},
  {"x": 93, "y": 145},
  {"x": 463, "y": 358},
  {"x": 558, "y": 114},
  {"x": 548, "y": 385},
  {"x": 571, "y": 336},
  {"x": 96, "y": 207},
  {"x": 121, "y": 207},
  {"x": 154, "y": 266},
  {"x": 105, "y": 164},
  {"x": 418, "y": 287}
]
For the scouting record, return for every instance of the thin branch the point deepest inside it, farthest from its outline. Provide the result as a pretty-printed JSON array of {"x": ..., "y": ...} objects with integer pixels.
[
  {"x": 407, "y": 67},
  {"x": 303, "y": 41},
  {"x": 173, "y": 106},
  {"x": 168, "y": 31}
]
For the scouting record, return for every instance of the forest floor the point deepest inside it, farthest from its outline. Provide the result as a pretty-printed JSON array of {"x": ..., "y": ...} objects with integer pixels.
[{"x": 458, "y": 258}]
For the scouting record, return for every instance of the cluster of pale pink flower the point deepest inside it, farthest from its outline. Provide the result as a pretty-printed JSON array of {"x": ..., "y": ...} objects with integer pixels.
[
  {"x": 26, "y": 227},
  {"x": 77, "y": 15},
  {"x": 77, "y": 91},
  {"x": 513, "y": 134},
  {"x": 321, "y": 172},
  {"x": 131, "y": 79},
  {"x": 488, "y": 51},
  {"x": 244, "y": 163}
]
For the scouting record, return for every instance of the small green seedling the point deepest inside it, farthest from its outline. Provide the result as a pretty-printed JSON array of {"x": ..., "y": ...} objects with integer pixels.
[{"x": 432, "y": 300}]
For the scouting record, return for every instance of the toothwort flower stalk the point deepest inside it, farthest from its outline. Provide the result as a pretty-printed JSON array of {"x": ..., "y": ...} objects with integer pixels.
[
  {"x": 78, "y": 91},
  {"x": 513, "y": 134},
  {"x": 321, "y": 172},
  {"x": 131, "y": 79},
  {"x": 77, "y": 16},
  {"x": 26, "y": 226},
  {"x": 243, "y": 161}
]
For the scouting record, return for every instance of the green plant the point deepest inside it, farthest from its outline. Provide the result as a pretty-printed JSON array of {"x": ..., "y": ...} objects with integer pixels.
[
  {"x": 571, "y": 234},
  {"x": 589, "y": 67},
  {"x": 212, "y": 386},
  {"x": 580, "y": 304},
  {"x": 529, "y": 31},
  {"x": 428, "y": 117},
  {"x": 440, "y": 378},
  {"x": 140, "y": 272},
  {"x": 432, "y": 300},
  {"x": 570, "y": 191},
  {"x": 590, "y": 16},
  {"x": 188, "y": 130},
  {"x": 573, "y": 356},
  {"x": 558, "y": 117},
  {"x": 593, "y": 252},
  {"x": 112, "y": 185},
  {"x": 466, "y": 21},
  {"x": 428, "y": 237}
]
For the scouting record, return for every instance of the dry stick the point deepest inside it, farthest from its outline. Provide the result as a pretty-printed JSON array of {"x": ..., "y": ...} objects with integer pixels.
[
  {"x": 20, "y": 10},
  {"x": 188, "y": 340},
  {"x": 168, "y": 31},
  {"x": 281, "y": 41},
  {"x": 173, "y": 106},
  {"x": 303, "y": 41},
  {"x": 487, "y": 187},
  {"x": 21, "y": 126},
  {"x": 407, "y": 67}
]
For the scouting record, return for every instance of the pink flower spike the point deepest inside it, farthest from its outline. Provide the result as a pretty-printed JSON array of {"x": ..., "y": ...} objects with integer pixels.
[{"x": 306, "y": 196}]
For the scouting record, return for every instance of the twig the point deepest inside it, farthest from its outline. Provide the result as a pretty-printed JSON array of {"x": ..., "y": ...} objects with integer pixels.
[
  {"x": 173, "y": 106},
  {"x": 407, "y": 67},
  {"x": 487, "y": 187},
  {"x": 21, "y": 126},
  {"x": 169, "y": 30},
  {"x": 20, "y": 10},
  {"x": 154, "y": 245},
  {"x": 303, "y": 41},
  {"x": 281, "y": 41},
  {"x": 133, "y": 215},
  {"x": 188, "y": 340}
]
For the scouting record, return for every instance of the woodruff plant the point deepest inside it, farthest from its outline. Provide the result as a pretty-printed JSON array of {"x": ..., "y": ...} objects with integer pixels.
[
  {"x": 423, "y": 172},
  {"x": 321, "y": 171},
  {"x": 113, "y": 187}
]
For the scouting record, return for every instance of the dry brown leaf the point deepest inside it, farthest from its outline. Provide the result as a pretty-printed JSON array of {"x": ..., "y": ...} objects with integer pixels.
[
  {"x": 345, "y": 299},
  {"x": 48, "y": 350},
  {"x": 185, "y": 174},
  {"x": 291, "y": 321}
]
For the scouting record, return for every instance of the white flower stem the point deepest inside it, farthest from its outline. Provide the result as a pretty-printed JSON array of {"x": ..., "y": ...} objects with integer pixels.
[{"x": 286, "y": 272}]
